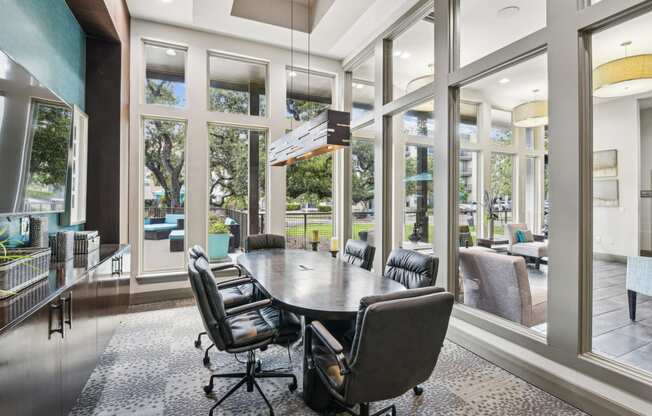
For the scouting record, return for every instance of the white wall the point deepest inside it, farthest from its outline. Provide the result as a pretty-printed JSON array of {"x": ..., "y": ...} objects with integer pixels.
[
  {"x": 646, "y": 180},
  {"x": 196, "y": 112},
  {"x": 616, "y": 126}
]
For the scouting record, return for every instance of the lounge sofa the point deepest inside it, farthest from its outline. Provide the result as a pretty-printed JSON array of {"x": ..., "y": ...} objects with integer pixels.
[
  {"x": 533, "y": 251},
  {"x": 160, "y": 228},
  {"x": 499, "y": 284}
]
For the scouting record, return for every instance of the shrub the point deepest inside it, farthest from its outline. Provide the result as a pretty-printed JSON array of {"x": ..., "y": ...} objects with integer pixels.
[
  {"x": 216, "y": 225},
  {"x": 292, "y": 206},
  {"x": 324, "y": 208}
]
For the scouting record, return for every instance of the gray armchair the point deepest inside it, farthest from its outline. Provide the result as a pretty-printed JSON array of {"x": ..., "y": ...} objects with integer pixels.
[
  {"x": 499, "y": 284},
  {"x": 397, "y": 341}
]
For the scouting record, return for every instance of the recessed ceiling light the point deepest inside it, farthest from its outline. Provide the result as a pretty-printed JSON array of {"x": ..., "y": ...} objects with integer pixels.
[
  {"x": 358, "y": 86},
  {"x": 167, "y": 1},
  {"x": 508, "y": 11},
  {"x": 405, "y": 55},
  {"x": 171, "y": 52},
  {"x": 503, "y": 81},
  {"x": 292, "y": 74},
  {"x": 397, "y": 53}
]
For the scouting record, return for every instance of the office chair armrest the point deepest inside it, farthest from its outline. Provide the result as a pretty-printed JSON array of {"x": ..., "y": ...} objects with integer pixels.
[
  {"x": 332, "y": 344},
  {"x": 239, "y": 310},
  {"x": 227, "y": 267},
  {"x": 234, "y": 282}
]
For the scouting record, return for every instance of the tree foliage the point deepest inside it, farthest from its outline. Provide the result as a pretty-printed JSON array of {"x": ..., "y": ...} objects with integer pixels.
[
  {"x": 165, "y": 157},
  {"x": 49, "y": 159},
  {"x": 501, "y": 174},
  {"x": 362, "y": 179},
  {"x": 229, "y": 166},
  {"x": 310, "y": 181},
  {"x": 304, "y": 110}
]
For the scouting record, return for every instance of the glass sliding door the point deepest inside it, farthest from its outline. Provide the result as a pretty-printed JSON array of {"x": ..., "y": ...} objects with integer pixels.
[
  {"x": 237, "y": 158},
  {"x": 164, "y": 194}
]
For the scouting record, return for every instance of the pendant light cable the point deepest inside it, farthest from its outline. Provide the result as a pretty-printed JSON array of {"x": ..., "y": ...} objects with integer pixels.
[{"x": 292, "y": 72}]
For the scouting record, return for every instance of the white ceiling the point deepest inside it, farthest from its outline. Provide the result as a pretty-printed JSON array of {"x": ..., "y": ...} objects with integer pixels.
[{"x": 346, "y": 27}]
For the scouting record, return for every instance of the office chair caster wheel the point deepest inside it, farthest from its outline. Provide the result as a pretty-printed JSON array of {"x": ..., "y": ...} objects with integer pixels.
[
  {"x": 207, "y": 360},
  {"x": 292, "y": 387},
  {"x": 208, "y": 389},
  {"x": 197, "y": 343},
  {"x": 418, "y": 390},
  {"x": 259, "y": 366}
]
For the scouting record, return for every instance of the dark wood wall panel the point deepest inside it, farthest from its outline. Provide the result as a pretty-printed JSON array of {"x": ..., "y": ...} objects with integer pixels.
[{"x": 103, "y": 105}]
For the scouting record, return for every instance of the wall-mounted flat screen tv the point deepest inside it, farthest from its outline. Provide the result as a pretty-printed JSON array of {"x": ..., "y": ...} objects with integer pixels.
[{"x": 35, "y": 129}]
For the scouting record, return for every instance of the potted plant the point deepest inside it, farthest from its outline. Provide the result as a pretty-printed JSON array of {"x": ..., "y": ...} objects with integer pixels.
[{"x": 218, "y": 238}]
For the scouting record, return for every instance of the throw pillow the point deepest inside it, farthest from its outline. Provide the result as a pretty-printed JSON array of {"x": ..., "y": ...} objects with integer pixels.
[
  {"x": 528, "y": 236},
  {"x": 520, "y": 236}
]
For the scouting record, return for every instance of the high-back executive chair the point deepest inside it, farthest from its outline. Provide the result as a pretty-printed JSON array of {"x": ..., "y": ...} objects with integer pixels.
[
  {"x": 236, "y": 292},
  {"x": 264, "y": 242},
  {"x": 397, "y": 341},
  {"x": 359, "y": 253},
  {"x": 246, "y": 328},
  {"x": 411, "y": 269}
]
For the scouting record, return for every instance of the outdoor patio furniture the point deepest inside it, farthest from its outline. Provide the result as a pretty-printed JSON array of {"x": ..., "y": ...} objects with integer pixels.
[
  {"x": 176, "y": 240},
  {"x": 234, "y": 229},
  {"x": 639, "y": 280},
  {"x": 499, "y": 284},
  {"x": 160, "y": 228},
  {"x": 533, "y": 251}
]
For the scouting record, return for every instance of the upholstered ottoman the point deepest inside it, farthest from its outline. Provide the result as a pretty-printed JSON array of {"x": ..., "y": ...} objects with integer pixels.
[{"x": 176, "y": 240}]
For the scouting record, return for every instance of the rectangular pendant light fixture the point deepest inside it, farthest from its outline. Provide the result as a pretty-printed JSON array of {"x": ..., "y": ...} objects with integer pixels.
[{"x": 326, "y": 132}]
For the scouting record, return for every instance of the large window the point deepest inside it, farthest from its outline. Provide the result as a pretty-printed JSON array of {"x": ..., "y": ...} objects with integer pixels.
[
  {"x": 362, "y": 185},
  {"x": 486, "y": 26},
  {"x": 503, "y": 252},
  {"x": 307, "y": 96},
  {"x": 237, "y": 85},
  {"x": 164, "y": 193},
  {"x": 622, "y": 184},
  {"x": 363, "y": 89},
  {"x": 237, "y": 158},
  {"x": 165, "y": 75},
  {"x": 418, "y": 224},
  {"x": 309, "y": 208},
  {"x": 413, "y": 57}
]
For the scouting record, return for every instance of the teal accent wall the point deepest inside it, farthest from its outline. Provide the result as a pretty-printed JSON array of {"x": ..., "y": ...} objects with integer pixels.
[{"x": 44, "y": 37}]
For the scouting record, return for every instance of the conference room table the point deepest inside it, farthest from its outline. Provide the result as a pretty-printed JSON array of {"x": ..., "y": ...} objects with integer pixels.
[{"x": 316, "y": 286}]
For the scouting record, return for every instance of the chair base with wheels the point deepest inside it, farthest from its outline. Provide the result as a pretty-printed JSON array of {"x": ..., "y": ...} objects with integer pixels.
[
  {"x": 364, "y": 410},
  {"x": 248, "y": 378}
]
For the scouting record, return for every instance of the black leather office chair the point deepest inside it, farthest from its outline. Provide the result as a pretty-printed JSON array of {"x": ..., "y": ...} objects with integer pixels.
[
  {"x": 411, "y": 269},
  {"x": 246, "y": 328},
  {"x": 397, "y": 342},
  {"x": 235, "y": 292},
  {"x": 264, "y": 242},
  {"x": 359, "y": 253}
]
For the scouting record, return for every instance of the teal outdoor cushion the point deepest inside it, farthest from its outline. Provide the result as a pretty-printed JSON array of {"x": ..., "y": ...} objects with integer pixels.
[
  {"x": 177, "y": 235},
  {"x": 159, "y": 227},
  {"x": 172, "y": 218}
]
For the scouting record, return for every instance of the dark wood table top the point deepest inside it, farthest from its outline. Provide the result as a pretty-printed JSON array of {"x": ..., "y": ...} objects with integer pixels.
[{"x": 314, "y": 284}]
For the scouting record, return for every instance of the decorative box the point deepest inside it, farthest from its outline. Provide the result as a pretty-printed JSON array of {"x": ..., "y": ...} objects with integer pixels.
[
  {"x": 21, "y": 267},
  {"x": 16, "y": 305},
  {"x": 63, "y": 245},
  {"x": 86, "y": 241},
  {"x": 87, "y": 260},
  {"x": 38, "y": 232}
]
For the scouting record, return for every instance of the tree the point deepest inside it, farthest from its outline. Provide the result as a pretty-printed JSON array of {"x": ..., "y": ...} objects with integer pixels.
[
  {"x": 304, "y": 110},
  {"x": 49, "y": 161},
  {"x": 229, "y": 166},
  {"x": 311, "y": 180},
  {"x": 362, "y": 179},
  {"x": 229, "y": 101},
  {"x": 158, "y": 91},
  {"x": 501, "y": 175},
  {"x": 165, "y": 157}
]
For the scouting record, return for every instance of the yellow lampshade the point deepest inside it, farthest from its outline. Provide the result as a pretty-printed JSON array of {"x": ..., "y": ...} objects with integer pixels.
[
  {"x": 625, "y": 76},
  {"x": 531, "y": 114}
]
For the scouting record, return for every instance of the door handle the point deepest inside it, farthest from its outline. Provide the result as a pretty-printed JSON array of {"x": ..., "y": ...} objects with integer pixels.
[
  {"x": 59, "y": 308},
  {"x": 68, "y": 305}
]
